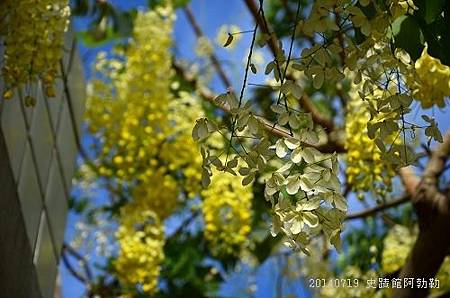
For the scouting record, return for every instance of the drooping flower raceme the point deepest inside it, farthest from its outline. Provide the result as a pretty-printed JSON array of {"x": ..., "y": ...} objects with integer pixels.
[
  {"x": 141, "y": 240},
  {"x": 227, "y": 211},
  {"x": 34, "y": 38},
  {"x": 431, "y": 84},
  {"x": 366, "y": 169}
]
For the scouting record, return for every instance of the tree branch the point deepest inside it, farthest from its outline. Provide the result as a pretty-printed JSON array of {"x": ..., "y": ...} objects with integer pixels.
[
  {"x": 72, "y": 270},
  {"x": 184, "y": 224},
  {"x": 199, "y": 33},
  {"x": 433, "y": 209},
  {"x": 273, "y": 42},
  {"x": 409, "y": 179},
  {"x": 67, "y": 248},
  {"x": 273, "y": 128},
  {"x": 372, "y": 211}
]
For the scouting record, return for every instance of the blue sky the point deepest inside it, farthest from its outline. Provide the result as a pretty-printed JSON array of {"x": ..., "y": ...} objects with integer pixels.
[{"x": 211, "y": 14}]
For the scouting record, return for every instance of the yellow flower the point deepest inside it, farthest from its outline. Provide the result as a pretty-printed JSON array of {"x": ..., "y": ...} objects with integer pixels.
[
  {"x": 431, "y": 82},
  {"x": 227, "y": 214}
]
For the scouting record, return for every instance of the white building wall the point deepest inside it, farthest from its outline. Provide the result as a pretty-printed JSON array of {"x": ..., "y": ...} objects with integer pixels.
[{"x": 41, "y": 147}]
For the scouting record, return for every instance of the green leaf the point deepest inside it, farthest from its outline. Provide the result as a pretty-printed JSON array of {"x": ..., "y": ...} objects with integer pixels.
[
  {"x": 293, "y": 186},
  {"x": 269, "y": 67},
  {"x": 340, "y": 202},
  {"x": 431, "y": 9},
  {"x": 200, "y": 130},
  {"x": 96, "y": 37},
  {"x": 229, "y": 40},
  {"x": 380, "y": 144},
  {"x": 309, "y": 154},
  {"x": 215, "y": 161},
  {"x": 310, "y": 219},
  {"x": 244, "y": 171},
  {"x": 253, "y": 68},
  {"x": 296, "y": 227},
  {"x": 248, "y": 179},
  {"x": 427, "y": 119},
  {"x": 206, "y": 178},
  {"x": 309, "y": 205},
  {"x": 408, "y": 36},
  {"x": 232, "y": 163},
  {"x": 318, "y": 80},
  {"x": 281, "y": 149},
  {"x": 296, "y": 155}
]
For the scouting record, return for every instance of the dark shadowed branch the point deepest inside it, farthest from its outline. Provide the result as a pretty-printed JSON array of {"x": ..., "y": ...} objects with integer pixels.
[{"x": 382, "y": 207}]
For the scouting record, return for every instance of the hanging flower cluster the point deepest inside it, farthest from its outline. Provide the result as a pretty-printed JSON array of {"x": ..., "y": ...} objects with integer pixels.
[
  {"x": 143, "y": 124},
  {"x": 141, "y": 240},
  {"x": 132, "y": 110},
  {"x": 431, "y": 84},
  {"x": 227, "y": 213},
  {"x": 366, "y": 169},
  {"x": 33, "y": 37}
]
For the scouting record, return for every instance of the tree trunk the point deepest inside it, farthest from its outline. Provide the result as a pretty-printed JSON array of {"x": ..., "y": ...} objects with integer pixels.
[{"x": 433, "y": 210}]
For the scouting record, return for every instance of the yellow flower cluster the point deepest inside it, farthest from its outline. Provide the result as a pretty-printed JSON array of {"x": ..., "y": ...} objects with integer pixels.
[
  {"x": 365, "y": 169},
  {"x": 144, "y": 131},
  {"x": 397, "y": 244},
  {"x": 141, "y": 241},
  {"x": 34, "y": 37},
  {"x": 432, "y": 81},
  {"x": 227, "y": 213}
]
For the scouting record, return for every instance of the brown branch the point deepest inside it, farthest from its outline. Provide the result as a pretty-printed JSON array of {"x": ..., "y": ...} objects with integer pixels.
[
  {"x": 72, "y": 270},
  {"x": 372, "y": 211},
  {"x": 433, "y": 209},
  {"x": 273, "y": 42},
  {"x": 269, "y": 126},
  {"x": 409, "y": 179},
  {"x": 317, "y": 116},
  {"x": 80, "y": 258},
  {"x": 214, "y": 60}
]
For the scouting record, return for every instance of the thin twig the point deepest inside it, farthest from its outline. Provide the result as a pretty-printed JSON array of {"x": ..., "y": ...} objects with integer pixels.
[
  {"x": 199, "y": 33},
  {"x": 372, "y": 211},
  {"x": 273, "y": 42},
  {"x": 80, "y": 258},
  {"x": 72, "y": 270}
]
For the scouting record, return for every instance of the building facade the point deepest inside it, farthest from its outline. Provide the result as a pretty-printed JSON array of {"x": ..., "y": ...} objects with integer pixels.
[{"x": 38, "y": 149}]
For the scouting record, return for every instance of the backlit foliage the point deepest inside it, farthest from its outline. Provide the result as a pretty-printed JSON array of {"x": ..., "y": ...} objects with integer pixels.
[
  {"x": 305, "y": 191},
  {"x": 33, "y": 33},
  {"x": 353, "y": 281},
  {"x": 223, "y": 36}
]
